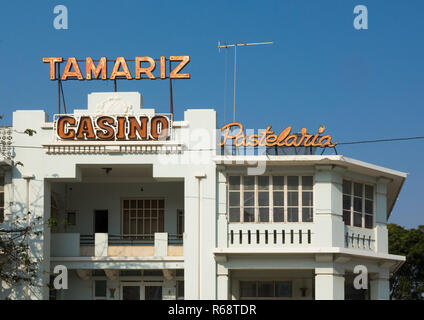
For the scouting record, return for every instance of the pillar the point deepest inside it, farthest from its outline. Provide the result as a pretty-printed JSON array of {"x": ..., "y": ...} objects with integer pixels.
[
  {"x": 222, "y": 282},
  {"x": 329, "y": 284},
  {"x": 380, "y": 286}
]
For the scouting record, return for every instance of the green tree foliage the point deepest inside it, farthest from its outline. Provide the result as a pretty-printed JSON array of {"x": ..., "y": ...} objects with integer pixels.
[
  {"x": 408, "y": 281},
  {"x": 16, "y": 262}
]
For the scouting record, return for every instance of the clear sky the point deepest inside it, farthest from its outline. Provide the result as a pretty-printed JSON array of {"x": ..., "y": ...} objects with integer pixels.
[{"x": 361, "y": 84}]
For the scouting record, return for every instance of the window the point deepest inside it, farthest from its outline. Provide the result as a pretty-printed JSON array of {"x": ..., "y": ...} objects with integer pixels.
[
  {"x": 358, "y": 204},
  {"x": 265, "y": 289},
  {"x": 143, "y": 217},
  {"x": 270, "y": 198},
  {"x": 71, "y": 218},
  {"x": 180, "y": 223},
  {"x": 100, "y": 287},
  {"x": 1, "y": 199},
  {"x": 180, "y": 289}
]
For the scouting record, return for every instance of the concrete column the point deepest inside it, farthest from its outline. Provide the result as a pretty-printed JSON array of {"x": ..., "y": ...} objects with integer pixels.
[
  {"x": 328, "y": 216},
  {"x": 100, "y": 244},
  {"x": 161, "y": 244},
  {"x": 381, "y": 233},
  {"x": 235, "y": 289},
  {"x": 329, "y": 284},
  {"x": 380, "y": 286},
  {"x": 222, "y": 210},
  {"x": 222, "y": 282}
]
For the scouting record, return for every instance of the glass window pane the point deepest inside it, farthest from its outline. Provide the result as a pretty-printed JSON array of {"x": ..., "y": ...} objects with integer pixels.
[
  {"x": 161, "y": 204},
  {"x": 283, "y": 289},
  {"x": 126, "y": 204},
  {"x": 249, "y": 199},
  {"x": 346, "y": 202},
  {"x": 293, "y": 183},
  {"x": 368, "y": 206},
  {"x": 180, "y": 288},
  {"x": 358, "y": 189},
  {"x": 307, "y": 182},
  {"x": 133, "y": 204},
  {"x": 140, "y": 226},
  {"x": 234, "y": 199},
  {"x": 307, "y": 199},
  {"x": 126, "y": 223},
  {"x": 249, "y": 182},
  {"x": 307, "y": 215},
  {"x": 278, "y": 182},
  {"x": 293, "y": 198},
  {"x": 100, "y": 288},
  {"x": 368, "y": 221},
  {"x": 263, "y": 198},
  {"x": 234, "y": 214},
  {"x": 278, "y": 214},
  {"x": 263, "y": 214},
  {"x": 357, "y": 219},
  {"x": 347, "y": 187},
  {"x": 266, "y": 289},
  {"x": 133, "y": 225},
  {"x": 234, "y": 182},
  {"x": 263, "y": 182},
  {"x": 346, "y": 217},
  {"x": 249, "y": 215},
  {"x": 369, "y": 192},
  {"x": 248, "y": 288},
  {"x": 357, "y": 204},
  {"x": 292, "y": 215},
  {"x": 278, "y": 198}
]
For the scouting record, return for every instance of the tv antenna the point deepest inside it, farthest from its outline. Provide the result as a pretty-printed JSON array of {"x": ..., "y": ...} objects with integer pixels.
[{"x": 235, "y": 45}]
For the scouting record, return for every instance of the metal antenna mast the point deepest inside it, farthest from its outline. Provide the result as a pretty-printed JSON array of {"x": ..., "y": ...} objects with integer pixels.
[{"x": 235, "y": 45}]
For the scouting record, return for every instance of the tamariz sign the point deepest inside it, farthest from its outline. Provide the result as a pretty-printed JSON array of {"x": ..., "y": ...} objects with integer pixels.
[
  {"x": 113, "y": 128},
  {"x": 144, "y": 68}
]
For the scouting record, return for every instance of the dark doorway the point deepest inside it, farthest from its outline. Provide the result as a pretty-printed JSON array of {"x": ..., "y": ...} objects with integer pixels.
[
  {"x": 153, "y": 293},
  {"x": 101, "y": 221}
]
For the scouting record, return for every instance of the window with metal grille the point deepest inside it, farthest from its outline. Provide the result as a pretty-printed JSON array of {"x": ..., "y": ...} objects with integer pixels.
[
  {"x": 141, "y": 218},
  {"x": 270, "y": 198}
]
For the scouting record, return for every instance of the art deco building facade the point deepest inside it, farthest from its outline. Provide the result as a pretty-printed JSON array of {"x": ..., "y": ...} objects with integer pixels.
[{"x": 175, "y": 219}]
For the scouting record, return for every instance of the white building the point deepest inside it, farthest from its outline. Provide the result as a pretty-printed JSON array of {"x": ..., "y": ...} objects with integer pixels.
[{"x": 173, "y": 219}]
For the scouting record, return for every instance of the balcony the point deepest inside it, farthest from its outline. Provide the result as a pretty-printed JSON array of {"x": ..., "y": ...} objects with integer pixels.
[{"x": 159, "y": 244}]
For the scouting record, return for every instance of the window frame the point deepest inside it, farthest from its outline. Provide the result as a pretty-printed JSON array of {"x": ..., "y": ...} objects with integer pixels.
[
  {"x": 270, "y": 191},
  {"x": 137, "y": 218},
  {"x": 363, "y": 199},
  {"x": 273, "y": 297}
]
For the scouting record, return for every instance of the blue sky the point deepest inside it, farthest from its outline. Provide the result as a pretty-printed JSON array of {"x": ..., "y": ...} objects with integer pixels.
[{"x": 364, "y": 84}]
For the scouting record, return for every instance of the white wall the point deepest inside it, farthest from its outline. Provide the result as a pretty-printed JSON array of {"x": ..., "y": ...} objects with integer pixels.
[{"x": 84, "y": 198}]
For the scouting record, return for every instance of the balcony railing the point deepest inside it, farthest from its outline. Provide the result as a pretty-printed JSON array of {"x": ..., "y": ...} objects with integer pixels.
[
  {"x": 358, "y": 238},
  {"x": 141, "y": 239},
  {"x": 87, "y": 239},
  {"x": 270, "y": 235},
  {"x": 103, "y": 244}
]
